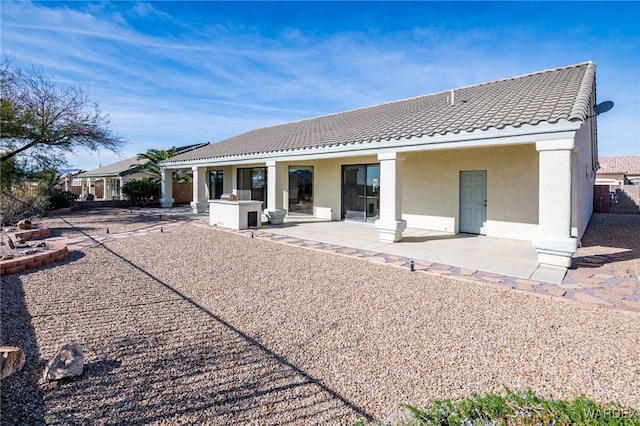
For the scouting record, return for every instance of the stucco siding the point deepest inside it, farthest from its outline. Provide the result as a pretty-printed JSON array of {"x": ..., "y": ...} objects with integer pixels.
[
  {"x": 583, "y": 180},
  {"x": 431, "y": 191},
  {"x": 327, "y": 189}
]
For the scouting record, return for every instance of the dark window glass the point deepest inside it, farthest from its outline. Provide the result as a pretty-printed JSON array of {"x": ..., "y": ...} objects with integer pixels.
[
  {"x": 361, "y": 192},
  {"x": 255, "y": 181},
  {"x": 301, "y": 190},
  {"x": 216, "y": 186}
]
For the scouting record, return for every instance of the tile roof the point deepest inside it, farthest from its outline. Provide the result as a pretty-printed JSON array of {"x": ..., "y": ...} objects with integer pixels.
[
  {"x": 113, "y": 169},
  {"x": 122, "y": 167},
  {"x": 629, "y": 165},
  {"x": 545, "y": 96}
]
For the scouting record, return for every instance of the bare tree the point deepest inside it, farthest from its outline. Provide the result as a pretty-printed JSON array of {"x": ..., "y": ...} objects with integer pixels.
[{"x": 42, "y": 120}]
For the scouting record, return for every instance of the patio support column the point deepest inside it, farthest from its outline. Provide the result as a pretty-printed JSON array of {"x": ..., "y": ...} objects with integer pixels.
[
  {"x": 390, "y": 225},
  {"x": 120, "y": 195},
  {"x": 272, "y": 182},
  {"x": 554, "y": 244},
  {"x": 276, "y": 174},
  {"x": 166, "y": 188},
  {"x": 199, "y": 203},
  {"x": 106, "y": 193},
  {"x": 104, "y": 188},
  {"x": 92, "y": 187}
]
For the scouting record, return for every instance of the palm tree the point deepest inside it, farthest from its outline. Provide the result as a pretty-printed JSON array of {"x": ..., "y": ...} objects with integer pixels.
[{"x": 151, "y": 167}]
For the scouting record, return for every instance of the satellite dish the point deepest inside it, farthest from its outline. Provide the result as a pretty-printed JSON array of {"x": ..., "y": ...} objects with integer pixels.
[{"x": 603, "y": 107}]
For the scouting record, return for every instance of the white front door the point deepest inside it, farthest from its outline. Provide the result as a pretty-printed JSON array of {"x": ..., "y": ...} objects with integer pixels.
[{"x": 473, "y": 201}]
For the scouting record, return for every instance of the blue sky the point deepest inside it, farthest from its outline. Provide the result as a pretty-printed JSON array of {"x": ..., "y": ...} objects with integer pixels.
[{"x": 177, "y": 73}]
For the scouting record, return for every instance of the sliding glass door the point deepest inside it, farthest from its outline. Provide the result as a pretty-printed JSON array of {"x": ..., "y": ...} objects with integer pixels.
[
  {"x": 361, "y": 192},
  {"x": 254, "y": 182},
  {"x": 301, "y": 190},
  {"x": 216, "y": 184}
]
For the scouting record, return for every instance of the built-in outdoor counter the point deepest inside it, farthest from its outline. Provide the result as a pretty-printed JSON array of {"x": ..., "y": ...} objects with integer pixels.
[{"x": 235, "y": 214}]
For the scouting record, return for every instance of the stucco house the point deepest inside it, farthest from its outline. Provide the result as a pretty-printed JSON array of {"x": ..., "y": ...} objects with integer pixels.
[
  {"x": 513, "y": 158},
  {"x": 105, "y": 182},
  {"x": 617, "y": 187},
  {"x": 620, "y": 170}
]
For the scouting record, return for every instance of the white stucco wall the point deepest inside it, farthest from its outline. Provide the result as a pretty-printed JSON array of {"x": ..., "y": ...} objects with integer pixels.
[
  {"x": 431, "y": 194},
  {"x": 326, "y": 179},
  {"x": 583, "y": 179}
]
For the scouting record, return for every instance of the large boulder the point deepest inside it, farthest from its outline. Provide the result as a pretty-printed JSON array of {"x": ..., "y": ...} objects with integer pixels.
[
  {"x": 67, "y": 362},
  {"x": 12, "y": 360}
]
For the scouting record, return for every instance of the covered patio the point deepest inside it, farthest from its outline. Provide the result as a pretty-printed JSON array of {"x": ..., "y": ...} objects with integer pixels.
[
  {"x": 514, "y": 258},
  {"x": 496, "y": 255}
]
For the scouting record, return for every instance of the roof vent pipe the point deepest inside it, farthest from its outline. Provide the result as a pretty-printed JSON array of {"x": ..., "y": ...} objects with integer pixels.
[{"x": 453, "y": 97}]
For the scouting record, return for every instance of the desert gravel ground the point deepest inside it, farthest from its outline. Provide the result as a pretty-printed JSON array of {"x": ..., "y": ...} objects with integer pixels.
[{"x": 200, "y": 326}]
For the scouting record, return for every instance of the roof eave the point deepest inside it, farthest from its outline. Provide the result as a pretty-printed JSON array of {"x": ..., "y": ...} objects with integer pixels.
[{"x": 509, "y": 135}]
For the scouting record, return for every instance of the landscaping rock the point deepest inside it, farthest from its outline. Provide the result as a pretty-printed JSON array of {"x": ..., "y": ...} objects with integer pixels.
[
  {"x": 12, "y": 360},
  {"x": 67, "y": 362}
]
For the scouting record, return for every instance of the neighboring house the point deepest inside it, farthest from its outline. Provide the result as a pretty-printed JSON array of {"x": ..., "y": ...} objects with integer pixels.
[
  {"x": 623, "y": 170},
  {"x": 618, "y": 185},
  {"x": 105, "y": 182},
  {"x": 514, "y": 158},
  {"x": 69, "y": 181}
]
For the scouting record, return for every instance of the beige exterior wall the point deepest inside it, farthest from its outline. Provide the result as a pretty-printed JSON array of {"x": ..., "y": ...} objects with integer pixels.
[
  {"x": 431, "y": 187},
  {"x": 583, "y": 179},
  {"x": 431, "y": 194}
]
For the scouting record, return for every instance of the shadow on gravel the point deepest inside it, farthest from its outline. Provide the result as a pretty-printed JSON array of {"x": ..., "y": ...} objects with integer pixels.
[
  {"x": 99, "y": 222},
  {"x": 273, "y": 383},
  {"x": 21, "y": 396},
  {"x": 167, "y": 359},
  {"x": 609, "y": 238}
]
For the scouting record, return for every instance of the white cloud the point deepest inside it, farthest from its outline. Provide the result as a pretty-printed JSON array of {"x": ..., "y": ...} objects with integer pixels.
[{"x": 208, "y": 82}]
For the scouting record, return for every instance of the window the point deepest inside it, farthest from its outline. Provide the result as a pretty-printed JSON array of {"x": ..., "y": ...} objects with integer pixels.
[
  {"x": 361, "y": 192},
  {"x": 300, "y": 190},
  {"x": 255, "y": 181},
  {"x": 216, "y": 186},
  {"x": 115, "y": 188}
]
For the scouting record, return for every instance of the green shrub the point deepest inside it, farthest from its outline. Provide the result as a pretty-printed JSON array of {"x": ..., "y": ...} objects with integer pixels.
[
  {"x": 522, "y": 409},
  {"x": 140, "y": 191},
  {"x": 57, "y": 201},
  {"x": 69, "y": 196}
]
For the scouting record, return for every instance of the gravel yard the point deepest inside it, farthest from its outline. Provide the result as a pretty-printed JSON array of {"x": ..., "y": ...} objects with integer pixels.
[
  {"x": 96, "y": 221},
  {"x": 197, "y": 325}
]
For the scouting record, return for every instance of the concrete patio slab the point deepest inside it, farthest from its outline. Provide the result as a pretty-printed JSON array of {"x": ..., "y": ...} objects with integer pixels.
[
  {"x": 494, "y": 255},
  {"x": 500, "y": 256}
]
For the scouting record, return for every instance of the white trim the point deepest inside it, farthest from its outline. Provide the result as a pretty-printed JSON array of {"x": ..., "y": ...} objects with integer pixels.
[
  {"x": 383, "y": 156},
  {"x": 555, "y": 145}
]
